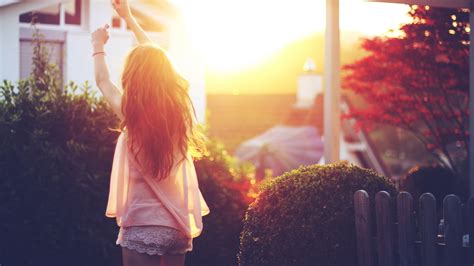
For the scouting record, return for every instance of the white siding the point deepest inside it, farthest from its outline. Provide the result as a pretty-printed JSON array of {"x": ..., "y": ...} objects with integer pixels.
[
  {"x": 79, "y": 67},
  {"x": 10, "y": 47}
]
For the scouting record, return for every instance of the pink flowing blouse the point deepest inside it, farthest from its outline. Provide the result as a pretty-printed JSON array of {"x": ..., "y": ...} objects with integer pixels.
[{"x": 136, "y": 199}]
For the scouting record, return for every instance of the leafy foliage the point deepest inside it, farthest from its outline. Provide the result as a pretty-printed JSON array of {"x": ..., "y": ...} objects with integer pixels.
[
  {"x": 56, "y": 150},
  {"x": 435, "y": 179},
  {"x": 306, "y": 217},
  {"x": 44, "y": 74},
  {"x": 419, "y": 82},
  {"x": 224, "y": 187}
]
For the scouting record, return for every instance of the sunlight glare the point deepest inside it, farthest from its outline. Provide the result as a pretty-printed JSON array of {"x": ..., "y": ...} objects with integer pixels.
[{"x": 235, "y": 34}]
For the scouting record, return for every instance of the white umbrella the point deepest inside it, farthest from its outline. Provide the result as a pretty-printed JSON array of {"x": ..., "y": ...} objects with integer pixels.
[{"x": 282, "y": 148}]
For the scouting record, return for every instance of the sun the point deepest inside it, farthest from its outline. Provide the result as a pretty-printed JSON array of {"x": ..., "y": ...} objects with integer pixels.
[
  {"x": 232, "y": 35},
  {"x": 236, "y": 34}
]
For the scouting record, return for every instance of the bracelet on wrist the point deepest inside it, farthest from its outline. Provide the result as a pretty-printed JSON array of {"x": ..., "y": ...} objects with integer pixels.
[{"x": 96, "y": 53}]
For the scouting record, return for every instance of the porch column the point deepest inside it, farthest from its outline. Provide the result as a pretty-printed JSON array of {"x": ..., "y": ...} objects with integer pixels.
[{"x": 332, "y": 88}]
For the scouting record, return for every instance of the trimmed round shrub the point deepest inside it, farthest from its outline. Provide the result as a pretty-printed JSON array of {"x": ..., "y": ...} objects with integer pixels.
[{"x": 306, "y": 217}]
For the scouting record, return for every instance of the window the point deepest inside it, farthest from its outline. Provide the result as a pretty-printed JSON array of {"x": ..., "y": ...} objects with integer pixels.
[
  {"x": 48, "y": 15},
  {"x": 73, "y": 12},
  {"x": 51, "y": 15}
]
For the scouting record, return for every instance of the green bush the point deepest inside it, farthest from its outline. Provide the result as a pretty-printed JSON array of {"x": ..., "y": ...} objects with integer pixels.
[
  {"x": 56, "y": 151},
  {"x": 306, "y": 217},
  {"x": 224, "y": 188}
]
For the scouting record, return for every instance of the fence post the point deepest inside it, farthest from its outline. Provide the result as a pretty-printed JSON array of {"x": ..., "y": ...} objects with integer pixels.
[
  {"x": 429, "y": 230},
  {"x": 453, "y": 233},
  {"x": 406, "y": 232},
  {"x": 363, "y": 228},
  {"x": 383, "y": 216}
]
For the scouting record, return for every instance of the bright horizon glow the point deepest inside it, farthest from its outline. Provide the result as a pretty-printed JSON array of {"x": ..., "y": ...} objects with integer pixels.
[{"x": 231, "y": 35}]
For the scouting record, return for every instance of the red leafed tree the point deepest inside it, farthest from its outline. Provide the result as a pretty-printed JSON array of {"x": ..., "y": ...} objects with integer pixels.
[{"x": 419, "y": 81}]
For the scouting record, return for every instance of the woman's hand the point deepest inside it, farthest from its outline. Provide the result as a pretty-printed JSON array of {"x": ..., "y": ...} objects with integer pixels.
[
  {"x": 122, "y": 8},
  {"x": 100, "y": 37}
]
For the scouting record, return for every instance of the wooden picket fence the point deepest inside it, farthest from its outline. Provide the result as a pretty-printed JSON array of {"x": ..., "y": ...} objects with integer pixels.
[{"x": 414, "y": 238}]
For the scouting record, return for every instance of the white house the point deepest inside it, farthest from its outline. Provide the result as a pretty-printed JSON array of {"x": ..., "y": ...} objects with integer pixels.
[{"x": 66, "y": 26}]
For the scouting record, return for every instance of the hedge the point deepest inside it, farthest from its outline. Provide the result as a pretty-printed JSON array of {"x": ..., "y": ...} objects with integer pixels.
[{"x": 56, "y": 150}]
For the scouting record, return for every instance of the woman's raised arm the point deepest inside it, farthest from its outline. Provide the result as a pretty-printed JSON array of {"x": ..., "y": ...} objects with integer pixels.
[
  {"x": 112, "y": 94},
  {"x": 123, "y": 10}
]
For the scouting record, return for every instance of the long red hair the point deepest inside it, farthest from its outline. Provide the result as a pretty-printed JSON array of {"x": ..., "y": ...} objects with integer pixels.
[{"x": 158, "y": 113}]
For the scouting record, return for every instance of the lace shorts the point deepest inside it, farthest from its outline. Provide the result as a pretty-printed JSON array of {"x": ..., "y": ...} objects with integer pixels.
[{"x": 154, "y": 240}]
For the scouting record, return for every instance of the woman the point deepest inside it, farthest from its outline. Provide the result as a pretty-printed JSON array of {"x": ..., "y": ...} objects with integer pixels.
[{"x": 154, "y": 192}]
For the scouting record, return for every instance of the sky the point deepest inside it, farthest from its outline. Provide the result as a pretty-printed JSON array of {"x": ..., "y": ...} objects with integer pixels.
[{"x": 232, "y": 35}]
